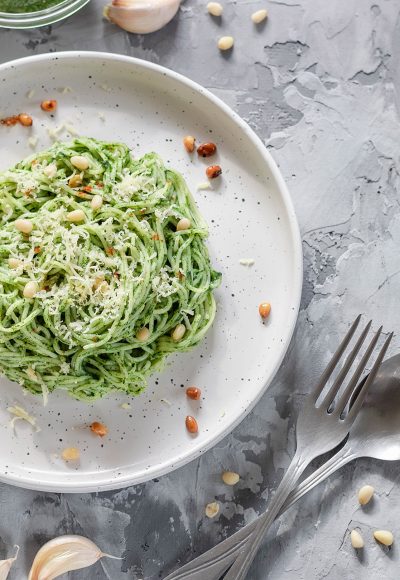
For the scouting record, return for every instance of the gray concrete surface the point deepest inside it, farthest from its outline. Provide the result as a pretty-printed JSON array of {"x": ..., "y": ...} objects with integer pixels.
[{"x": 320, "y": 84}]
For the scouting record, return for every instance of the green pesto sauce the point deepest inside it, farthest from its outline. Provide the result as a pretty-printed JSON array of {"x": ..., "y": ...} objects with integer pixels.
[{"x": 18, "y": 6}]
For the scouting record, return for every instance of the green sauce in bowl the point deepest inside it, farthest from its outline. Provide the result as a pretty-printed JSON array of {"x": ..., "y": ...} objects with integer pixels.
[{"x": 23, "y": 6}]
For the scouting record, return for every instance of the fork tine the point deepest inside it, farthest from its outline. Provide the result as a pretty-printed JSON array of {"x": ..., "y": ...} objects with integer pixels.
[
  {"x": 352, "y": 414},
  {"x": 344, "y": 399},
  {"x": 331, "y": 394},
  {"x": 315, "y": 393}
]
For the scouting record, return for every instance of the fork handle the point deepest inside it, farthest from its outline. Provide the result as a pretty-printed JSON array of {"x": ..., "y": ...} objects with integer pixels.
[{"x": 240, "y": 567}]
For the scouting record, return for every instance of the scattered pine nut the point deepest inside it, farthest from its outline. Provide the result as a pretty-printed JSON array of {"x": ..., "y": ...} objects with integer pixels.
[
  {"x": 30, "y": 289},
  {"x": 75, "y": 216},
  {"x": 98, "y": 429},
  {"x": 193, "y": 393},
  {"x": 14, "y": 263},
  {"x": 49, "y": 105},
  {"x": 259, "y": 16},
  {"x": 24, "y": 226},
  {"x": 356, "y": 539},
  {"x": 70, "y": 454},
  {"x": 191, "y": 424},
  {"x": 80, "y": 162},
  {"x": 230, "y": 477},
  {"x": 75, "y": 180},
  {"x": 365, "y": 494},
  {"x": 264, "y": 309},
  {"x": 143, "y": 334},
  {"x": 212, "y": 509},
  {"x": 178, "y": 333},
  {"x": 384, "y": 537},
  {"x": 213, "y": 171},
  {"x": 183, "y": 224},
  {"x": 225, "y": 42},
  {"x": 25, "y": 120},
  {"x": 97, "y": 202},
  {"x": 214, "y": 8},
  {"x": 188, "y": 142}
]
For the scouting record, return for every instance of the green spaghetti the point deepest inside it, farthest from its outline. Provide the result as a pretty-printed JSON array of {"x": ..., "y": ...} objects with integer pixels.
[{"x": 103, "y": 269}]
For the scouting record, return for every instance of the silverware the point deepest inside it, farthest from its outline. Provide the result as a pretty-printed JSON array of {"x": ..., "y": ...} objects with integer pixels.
[{"x": 212, "y": 564}]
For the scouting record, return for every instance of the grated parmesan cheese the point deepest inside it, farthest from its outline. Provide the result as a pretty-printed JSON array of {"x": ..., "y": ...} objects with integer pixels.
[
  {"x": 246, "y": 261},
  {"x": 125, "y": 406},
  {"x": 101, "y": 115},
  {"x": 21, "y": 413},
  {"x": 30, "y": 94},
  {"x": 204, "y": 185},
  {"x": 32, "y": 142}
]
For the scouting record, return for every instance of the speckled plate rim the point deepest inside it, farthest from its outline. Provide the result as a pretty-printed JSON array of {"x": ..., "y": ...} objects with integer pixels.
[{"x": 85, "y": 485}]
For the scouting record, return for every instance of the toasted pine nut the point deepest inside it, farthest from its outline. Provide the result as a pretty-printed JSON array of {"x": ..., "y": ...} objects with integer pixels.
[
  {"x": 99, "y": 429},
  {"x": 143, "y": 334},
  {"x": 80, "y": 162},
  {"x": 188, "y": 142},
  {"x": 214, "y": 8},
  {"x": 259, "y": 16},
  {"x": 50, "y": 170},
  {"x": 365, "y": 494},
  {"x": 49, "y": 105},
  {"x": 97, "y": 281},
  {"x": 70, "y": 454},
  {"x": 225, "y": 42},
  {"x": 212, "y": 509},
  {"x": 14, "y": 263},
  {"x": 30, "y": 289},
  {"x": 213, "y": 171},
  {"x": 193, "y": 393},
  {"x": 24, "y": 226},
  {"x": 97, "y": 202},
  {"x": 75, "y": 180},
  {"x": 206, "y": 149},
  {"x": 191, "y": 424},
  {"x": 103, "y": 287},
  {"x": 25, "y": 120},
  {"x": 384, "y": 537},
  {"x": 75, "y": 216},
  {"x": 178, "y": 333},
  {"x": 230, "y": 477},
  {"x": 183, "y": 224},
  {"x": 356, "y": 539},
  {"x": 264, "y": 309}
]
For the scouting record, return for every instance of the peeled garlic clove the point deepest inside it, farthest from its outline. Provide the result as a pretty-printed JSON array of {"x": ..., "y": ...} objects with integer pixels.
[
  {"x": 5, "y": 565},
  {"x": 141, "y": 16},
  {"x": 63, "y": 554}
]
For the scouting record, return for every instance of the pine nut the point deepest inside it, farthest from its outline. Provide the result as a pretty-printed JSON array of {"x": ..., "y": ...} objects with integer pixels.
[
  {"x": 97, "y": 202},
  {"x": 188, "y": 142},
  {"x": 356, "y": 539},
  {"x": 230, "y": 477},
  {"x": 193, "y": 393},
  {"x": 75, "y": 216},
  {"x": 30, "y": 289},
  {"x": 98, "y": 429},
  {"x": 213, "y": 171},
  {"x": 212, "y": 509},
  {"x": 50, "y": 170},
  {"x": 225, "y": 42},
  {"x": 80, "y": 162},
  {"x": 183, "y": 224},
  {"x": 143, "y": 334},
  {"x": 191, "y": 424},
  {"x": 14, "y": 263},
  {"x": 25, "y": 120},
  {"x": 214, "y": 8},
  {"x": 206, "y": 149},
  {"x": 75, "y": 180},
  {"x": 178, "y": 333},
  {"x": 49, "y": 105},
  {"x": 98, "y": 281},
  {"x": 384, "y": 537},
  {"x": 259, "y": 16},
  {"x": 264, "y": 309},
  {"x": 24, "y": 226},
  {"x": 70, "y": 454},
  {"x": 365, "y": 494}
]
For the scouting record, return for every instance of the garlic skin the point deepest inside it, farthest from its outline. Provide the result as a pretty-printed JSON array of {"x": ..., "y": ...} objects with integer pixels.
[
  {"x": 64, "y": 554},
  {"x": 5, "y": 565},
  {"x": 141, "y": 16}
]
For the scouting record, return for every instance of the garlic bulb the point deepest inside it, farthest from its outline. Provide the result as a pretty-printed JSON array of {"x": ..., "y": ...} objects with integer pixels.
[
  {"x": 5, "y": 565},
  {"x": 141, "y": 16},
  {"x": 63, "y": 554}
]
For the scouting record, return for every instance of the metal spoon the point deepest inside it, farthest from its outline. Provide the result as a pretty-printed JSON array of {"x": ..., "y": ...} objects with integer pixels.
[{"x": 375, "y": 434}]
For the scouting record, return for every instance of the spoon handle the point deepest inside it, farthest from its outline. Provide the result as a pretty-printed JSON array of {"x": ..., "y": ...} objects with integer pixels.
[{"x": 213, "y": 563}]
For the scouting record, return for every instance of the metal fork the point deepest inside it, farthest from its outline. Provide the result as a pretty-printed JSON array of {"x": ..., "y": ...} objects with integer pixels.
[{"x": 320, "y": 428}]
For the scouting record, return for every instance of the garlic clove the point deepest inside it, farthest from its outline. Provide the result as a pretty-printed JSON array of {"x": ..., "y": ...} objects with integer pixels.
[
  {"x": 141, "y": 16},
  {"x": 63, "y": 554},
  {"x": 5, "y": 565}
]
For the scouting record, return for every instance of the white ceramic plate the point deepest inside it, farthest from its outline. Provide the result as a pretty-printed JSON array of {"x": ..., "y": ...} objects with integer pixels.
[{"x": 250, "y": 215}]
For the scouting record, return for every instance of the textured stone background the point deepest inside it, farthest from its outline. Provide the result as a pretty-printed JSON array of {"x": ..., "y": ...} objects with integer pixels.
[{"x": 320, "y": 84}]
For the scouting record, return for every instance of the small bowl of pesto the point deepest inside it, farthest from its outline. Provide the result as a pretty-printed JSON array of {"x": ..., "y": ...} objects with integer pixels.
[{"x": 34, "y": 13}]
